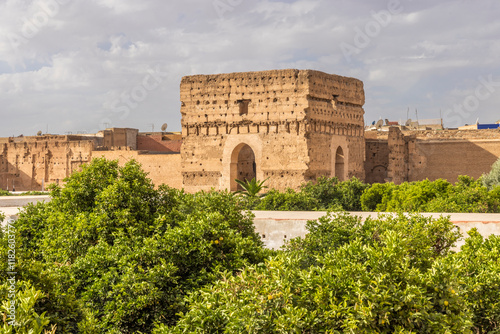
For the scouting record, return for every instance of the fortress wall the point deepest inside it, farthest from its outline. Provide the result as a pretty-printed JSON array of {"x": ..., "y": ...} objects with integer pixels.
[
  {"x": 271, "y": 96},
  {"x": 356, "y": 158},
  {"x": 280, "y": 156},
  {"x": 449, "y": 159},
  {"x": 377, "y": 160},
  {"x": 285, "y": 160},
  {"x": 450, "y": 153},
  {"x": 161, "y": 168},
  {"x": 417, "y": 155},
  {"x": 290, "y": 119},
  {"x": 27, "y": 165},
  {"x": 264, "y": 110},
  {"x": 347, "y": 90},
  {"x": 322, "y": 151},
  {"x": 336, "y": 119}
]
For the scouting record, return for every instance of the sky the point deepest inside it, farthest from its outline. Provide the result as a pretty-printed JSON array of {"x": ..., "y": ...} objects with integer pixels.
[{"x": 79, "y": 66}]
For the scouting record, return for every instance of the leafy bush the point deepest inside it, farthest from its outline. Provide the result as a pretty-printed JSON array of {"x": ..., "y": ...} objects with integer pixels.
[
  {"x": 492, "y": 179},
  {"x": 414, "y": 196},
  {"x": 26, "y": 321},
  {"x": 336, "y": 195},
  {"x": 290, "y": 200},
  {"x": 466, "y": 195},
  {"x": 479, "y": 265},
  {"x": 390, "y": 275},
  {"x": 127, "y": 252},
  {"x": 324, "y": 194},
  {"x": 58, "y": 305},
  {"x": 375, "y": 198}
]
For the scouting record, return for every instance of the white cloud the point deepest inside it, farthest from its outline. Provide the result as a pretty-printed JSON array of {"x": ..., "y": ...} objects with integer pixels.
[{"x": 91, "y": 52}]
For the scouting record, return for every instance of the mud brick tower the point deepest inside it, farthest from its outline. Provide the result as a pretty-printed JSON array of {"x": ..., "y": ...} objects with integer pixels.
[{"x": 290, "y": 126}]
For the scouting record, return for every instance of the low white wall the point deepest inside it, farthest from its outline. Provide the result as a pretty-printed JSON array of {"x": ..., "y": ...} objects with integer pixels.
[
  {"x": 10, "y": 205},
  {"x": 276, "y": 227},
  {"x": 19, "y": 201}
]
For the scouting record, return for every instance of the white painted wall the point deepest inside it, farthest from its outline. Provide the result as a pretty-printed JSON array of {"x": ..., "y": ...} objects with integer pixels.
[{"x": 276, "y": 227}]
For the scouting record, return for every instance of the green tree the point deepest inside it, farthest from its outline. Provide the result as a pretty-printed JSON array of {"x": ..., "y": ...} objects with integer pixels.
[
  {"x": 466, "y": 195},
  {"x": 27, "y": 320},
  {"x": 289, "y": 200},
  {"x": 375, "y": 198},
  {"x": 479, "y": 269},
  {"x": 336, "y": 195},
  {"x": 492, "y": 179},
  {"x": 129, "y": 253},
  {"x": 389, "y": 275}
]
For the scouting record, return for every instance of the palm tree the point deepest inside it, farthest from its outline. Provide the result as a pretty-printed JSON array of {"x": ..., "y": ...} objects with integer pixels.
[{"x": 251, "y": 188}]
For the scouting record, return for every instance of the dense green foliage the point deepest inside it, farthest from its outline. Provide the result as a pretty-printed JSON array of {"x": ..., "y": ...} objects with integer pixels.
[
  {"x": 27, "y": 320},
  {"x": 111, "y": 253},
  {"x": 394, "y": 274},
  {"x": 324, "y": 194},
  {"x": 289, "y": 200},
  {"x": 333, "y": 194},
  {"x": 251, "y": 188},
  {"x": 466, "y": 195},
  {"x": 492, "y": 179}
]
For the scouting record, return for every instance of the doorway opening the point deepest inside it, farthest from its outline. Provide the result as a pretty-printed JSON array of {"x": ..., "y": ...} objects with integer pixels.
[
  {"x": 243, "y": 166},
  {"x": 339, "y": 164}
]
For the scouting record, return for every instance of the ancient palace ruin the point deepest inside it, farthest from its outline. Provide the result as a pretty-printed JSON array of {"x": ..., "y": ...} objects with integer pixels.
[{"x": 286, "y": 126}]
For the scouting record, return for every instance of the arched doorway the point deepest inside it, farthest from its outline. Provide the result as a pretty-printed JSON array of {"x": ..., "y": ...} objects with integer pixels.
[
  {"x": 243, "y": 166},
  {"x": 339, "y": 164},
  {"x": 378, "y": 174}
]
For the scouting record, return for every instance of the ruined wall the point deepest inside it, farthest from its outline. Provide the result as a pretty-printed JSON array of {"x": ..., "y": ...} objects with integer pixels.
[
  {"x": 398, "y": 168},
  {"x": 335, "y": 115},
  {"x": 161, "y": 168},
  {"x": 29, "y": 162},
  {"x": 377, "y": 158},
  {"x": 292, "y": 120},
  {"x": 435, "y": 159},
  {"x": 223, "y": 113},
  {"x": 418, "y": 155},
  {"x": 448, "y": 154}
]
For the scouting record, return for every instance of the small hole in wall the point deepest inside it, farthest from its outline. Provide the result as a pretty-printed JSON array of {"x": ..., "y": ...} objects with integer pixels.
[
  {"x": 263, "y": 236},
  {"x": 285, "y": 237}
]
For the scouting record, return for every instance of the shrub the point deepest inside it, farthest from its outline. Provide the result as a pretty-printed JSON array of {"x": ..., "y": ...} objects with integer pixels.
[
  {"x": 466, "y": 195},
  {"x": 26, "y": 321},
  {"x": 375, "y": 198},
  {"x": 414, "y": 196},
  {"x": 289, "y": 200},
  {"x": 332, "y": 194},
  {"x": 492, "y": 179},
  {"x": 479, "y": 270},
  {"x": 387, "y": 276},
  {"x": 128, "y": 252}
]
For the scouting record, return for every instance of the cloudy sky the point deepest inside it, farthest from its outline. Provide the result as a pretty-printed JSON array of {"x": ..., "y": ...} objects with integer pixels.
[{"x": 82, "y": 65}]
